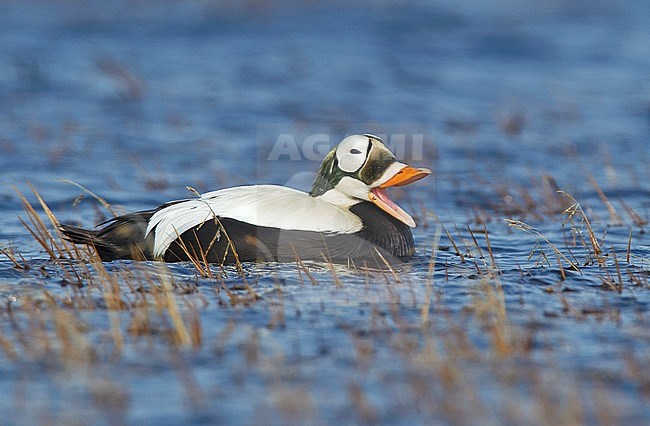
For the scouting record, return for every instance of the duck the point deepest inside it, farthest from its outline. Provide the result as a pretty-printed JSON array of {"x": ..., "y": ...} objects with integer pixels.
[{"x": 346, "y": 218}]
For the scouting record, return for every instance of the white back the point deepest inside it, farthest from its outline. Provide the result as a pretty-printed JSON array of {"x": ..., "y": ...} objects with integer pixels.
[{"x": 261, "y": 205}]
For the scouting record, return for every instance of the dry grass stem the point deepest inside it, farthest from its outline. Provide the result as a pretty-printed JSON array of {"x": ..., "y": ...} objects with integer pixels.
[
  {"x": 614, "y": 217},
  {"x": 426, "y": 306},
  {"x": 571, "y": 212},
  {"x": 538, "y": 235},
  {"x": 99, "y": 199}
]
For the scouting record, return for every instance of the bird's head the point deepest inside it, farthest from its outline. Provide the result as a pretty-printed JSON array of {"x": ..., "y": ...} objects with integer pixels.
[{"x": 359, "y": 169}]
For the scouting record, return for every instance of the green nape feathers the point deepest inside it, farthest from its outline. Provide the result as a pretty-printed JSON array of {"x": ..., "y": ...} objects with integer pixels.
[{"x": 328, "y": 175}]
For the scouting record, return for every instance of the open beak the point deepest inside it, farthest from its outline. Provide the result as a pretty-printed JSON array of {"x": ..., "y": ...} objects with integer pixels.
[{"x": 379, "y": 195}]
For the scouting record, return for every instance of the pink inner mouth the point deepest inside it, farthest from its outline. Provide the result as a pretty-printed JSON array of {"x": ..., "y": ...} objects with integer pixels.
[{"x": 383, "y": 196}]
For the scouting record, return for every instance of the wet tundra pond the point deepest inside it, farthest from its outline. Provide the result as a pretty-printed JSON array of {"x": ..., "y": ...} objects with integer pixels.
[{"x": 527, "y": 300}]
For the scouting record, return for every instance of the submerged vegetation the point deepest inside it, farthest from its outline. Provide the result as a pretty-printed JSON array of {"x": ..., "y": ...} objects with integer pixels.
[{"x": 409, "y": 353}]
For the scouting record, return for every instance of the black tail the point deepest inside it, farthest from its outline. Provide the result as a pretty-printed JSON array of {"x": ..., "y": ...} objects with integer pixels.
[{"x": 122, "y": 237}]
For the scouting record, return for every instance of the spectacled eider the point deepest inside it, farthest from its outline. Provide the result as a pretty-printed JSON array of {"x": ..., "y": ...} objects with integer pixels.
[{"x": 347, "y": 216}]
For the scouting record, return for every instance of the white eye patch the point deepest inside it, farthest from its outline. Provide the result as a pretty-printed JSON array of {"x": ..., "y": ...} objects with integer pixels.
[{"x": 351, "y": 153}]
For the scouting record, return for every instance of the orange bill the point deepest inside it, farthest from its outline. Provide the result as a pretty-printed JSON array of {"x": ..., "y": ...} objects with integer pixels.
[{"x": 405, "y": 176}]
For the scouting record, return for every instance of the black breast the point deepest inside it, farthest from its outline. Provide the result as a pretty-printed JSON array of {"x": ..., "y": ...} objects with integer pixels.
[
  {"x": 218, "y": 240},
  {"x": 384, "y": 231}
]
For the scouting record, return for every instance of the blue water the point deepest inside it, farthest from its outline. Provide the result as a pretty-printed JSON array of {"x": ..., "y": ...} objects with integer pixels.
[{"x": 137, "y": 101}]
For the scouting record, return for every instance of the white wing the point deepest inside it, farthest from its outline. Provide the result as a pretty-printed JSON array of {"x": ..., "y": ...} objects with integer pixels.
[{"x": 261, "y": 205}]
